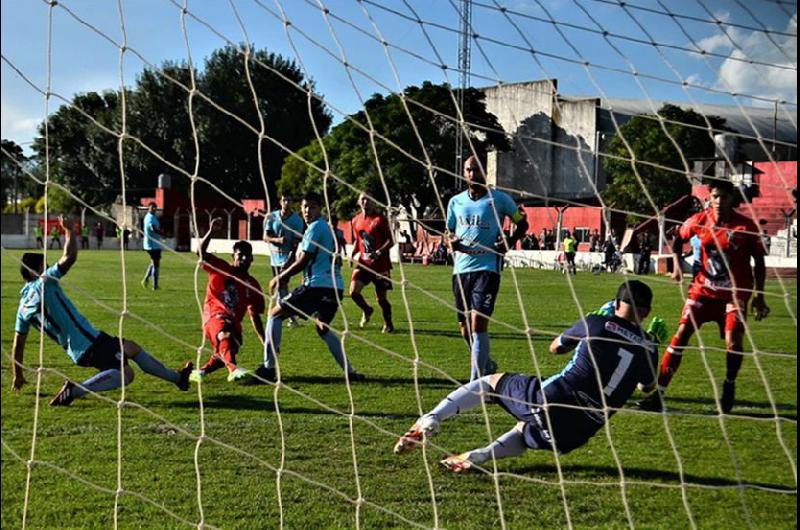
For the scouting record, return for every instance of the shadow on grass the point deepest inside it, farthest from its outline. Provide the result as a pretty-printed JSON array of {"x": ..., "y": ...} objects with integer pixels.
[
  {"x": 785, "y": 410},
  {"x": 641, "y": 474},
  {"x": 266, "y": 404},
  {"x": 493, "y": 334},
  {"x": 381, "y": 380}
]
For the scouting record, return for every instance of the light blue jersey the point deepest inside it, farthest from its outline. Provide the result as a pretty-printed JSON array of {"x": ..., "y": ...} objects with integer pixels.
[
  {"x": 291, "y": 229},
  {"x": 322, "y": 269},
  {"x": 152, "y": 239},
  {"x": 475, "y": 224},
  {"x": 62, "y": 322},
  {"x": 697, "y": 247}
]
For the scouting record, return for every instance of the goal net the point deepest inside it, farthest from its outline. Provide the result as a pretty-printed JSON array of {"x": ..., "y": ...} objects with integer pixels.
[{"x": 604, "y": 121}]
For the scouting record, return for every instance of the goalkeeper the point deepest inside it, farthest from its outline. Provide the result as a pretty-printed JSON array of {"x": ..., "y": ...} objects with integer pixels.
[{"x": 563, "y": 412}]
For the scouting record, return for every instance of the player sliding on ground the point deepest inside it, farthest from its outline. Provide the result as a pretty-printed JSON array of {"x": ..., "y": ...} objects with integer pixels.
[
  {"x": 230, "y": 293},
  {"x": 45, "y": 306},
  {"x": 319, "y": 295},
  {"x": 720, "y": 290},
  {"x": 614, "y": 355},
  {"x": 475, "y": 222}
]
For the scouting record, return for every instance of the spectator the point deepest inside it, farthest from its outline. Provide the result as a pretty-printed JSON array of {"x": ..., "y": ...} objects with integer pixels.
[
  {"x": 594, "y": 241},
  {"x": 609, "y": 249},
  {"x": 98, "y": 234},
  {"x": 570, "y": 248},
  {"x": 645, "y": 248},
  {"x": 84, "y": 236},
  {"x": 55, "y": 237},
  {"x": 38, "y": 232}
]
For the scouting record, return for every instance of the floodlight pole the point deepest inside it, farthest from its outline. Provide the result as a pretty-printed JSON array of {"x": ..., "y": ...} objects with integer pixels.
[{"x": 464, "y": 50}]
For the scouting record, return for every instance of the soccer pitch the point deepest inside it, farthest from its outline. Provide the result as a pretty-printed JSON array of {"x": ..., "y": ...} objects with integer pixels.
[{"x": 690, "y": 467}]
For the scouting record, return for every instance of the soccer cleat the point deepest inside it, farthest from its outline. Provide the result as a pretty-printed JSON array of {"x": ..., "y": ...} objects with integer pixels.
[
  {"x": 237, "y": 375},
  {"x": 652, "y": 403},
  {"x": 457, "y": 463},
  {"x": 197, "y": 376},
  {"x": 425, "y": 427},
  {"x": 293, "y": 323},
  {"x": 388, "y": 328},
  {"x": 728, "y": 396},
  {"x": 184, "y": 374},
  {"x": 264, "y": 375},
  {"x": 365, "y": 316},
  {"x": 64, "y": 396}
]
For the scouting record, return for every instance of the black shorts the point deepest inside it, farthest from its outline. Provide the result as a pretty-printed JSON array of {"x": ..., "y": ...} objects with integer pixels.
[
  {"x": 570, "y": 257},
  {"x": 382, "y": 280},
  {"x": 306, "y": 302},
  {"x": 278, "y": 270},
  {"x": 104, "y": 354},
  {"x": 479, "y": 292},
  {"x": 155, "y": 254}
]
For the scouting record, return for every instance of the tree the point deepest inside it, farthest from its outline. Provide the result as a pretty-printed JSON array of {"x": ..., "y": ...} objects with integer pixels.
[
  {"x": 158, "y": 115},
  {"x": 651, "y": 146},
  {"x": 229, "y": 149},
  {"x": 82, "y": 156},
  {"x": 58, "y": 202},
  {"x": 433, "y": 133},
  {"x": 11, "y": 175}
]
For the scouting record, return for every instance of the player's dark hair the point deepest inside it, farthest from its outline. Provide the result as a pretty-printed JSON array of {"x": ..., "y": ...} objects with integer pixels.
[
  {"x": 313, "y": 197},
  {"x": 32, "y": 263},
  {"x": 720, "y": 184},
  {"x": 635, "y": 293},
  {"x": 244, "y": 247}
]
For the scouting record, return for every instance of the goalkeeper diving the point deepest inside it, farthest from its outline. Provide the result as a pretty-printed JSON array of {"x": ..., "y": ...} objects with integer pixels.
[{"x": 613, "y": 355}]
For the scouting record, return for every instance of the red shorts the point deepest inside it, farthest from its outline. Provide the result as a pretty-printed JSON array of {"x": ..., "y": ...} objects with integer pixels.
[
  {"x": 382, "y": 280},
  {"x": 214, "y": 326},
  {"x": 727, "y": 315}
]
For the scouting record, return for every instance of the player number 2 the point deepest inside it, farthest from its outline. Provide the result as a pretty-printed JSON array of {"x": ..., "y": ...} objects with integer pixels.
[{"x": 625, "y": 358}]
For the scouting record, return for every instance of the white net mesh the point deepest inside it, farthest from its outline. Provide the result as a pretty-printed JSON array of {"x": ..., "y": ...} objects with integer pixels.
[{"x": 305, "y": 452}]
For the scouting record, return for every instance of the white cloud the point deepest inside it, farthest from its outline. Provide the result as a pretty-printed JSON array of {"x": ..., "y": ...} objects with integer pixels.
[
  {"x": 757, "y": 80},
  {"x": 18, "y": 125}
]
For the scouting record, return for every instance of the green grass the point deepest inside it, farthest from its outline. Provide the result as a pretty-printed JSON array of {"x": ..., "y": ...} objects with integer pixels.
[{"x": 735, "y": 470}]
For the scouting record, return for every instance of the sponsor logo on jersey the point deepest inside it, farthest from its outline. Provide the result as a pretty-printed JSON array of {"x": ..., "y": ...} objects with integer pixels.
[{"x": 616, "y": 329}]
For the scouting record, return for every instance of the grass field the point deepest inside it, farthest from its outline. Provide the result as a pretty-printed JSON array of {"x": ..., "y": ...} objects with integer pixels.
[{"x": 723, "y": 472}]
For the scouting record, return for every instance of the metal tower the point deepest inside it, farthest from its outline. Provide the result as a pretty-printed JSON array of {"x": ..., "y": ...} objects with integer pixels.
[{"x": 464, "y": 51}]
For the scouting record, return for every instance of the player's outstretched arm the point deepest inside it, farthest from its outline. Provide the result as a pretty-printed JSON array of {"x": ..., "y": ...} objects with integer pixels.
[
  {"x": 70, "y": 254},
  {"x": 202, "y": 250},
  {"x": 258, "y": 326},
  {"x": 18, "y": 351},
  {"x": 297, "y": 265}
]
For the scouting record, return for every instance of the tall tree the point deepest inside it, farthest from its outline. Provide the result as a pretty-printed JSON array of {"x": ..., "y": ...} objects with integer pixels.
[
  {"x": 229, "y": 152},
  {"x": 83, "y": 157},
  {"x": 430, "y": 131},
  {"x": 158, "y": 115},
  {"x": 11, "y": 175},
  {"x": 651, "y": 145}
]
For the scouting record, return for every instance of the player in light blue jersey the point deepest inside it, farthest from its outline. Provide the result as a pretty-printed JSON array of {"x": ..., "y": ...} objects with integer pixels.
[
  {"x": 475, "y": 222},
  {"x": 152, "y": 244},
  {"x": 318, "y": 297},
  {"x": 45, "y": 306},
  {"x": 283, "y": 230}
]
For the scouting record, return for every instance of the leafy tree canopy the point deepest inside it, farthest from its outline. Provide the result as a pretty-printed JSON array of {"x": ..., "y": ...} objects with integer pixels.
[{"x": 650, "y": 145}]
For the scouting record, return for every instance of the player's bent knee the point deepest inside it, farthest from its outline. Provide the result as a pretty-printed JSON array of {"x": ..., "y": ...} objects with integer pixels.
[
  {"x": 130, "y": 348},
  {"x": 129, "y": 373},
  {"x": 223, "y": 335},
  {"x": 494, "y": 379}
]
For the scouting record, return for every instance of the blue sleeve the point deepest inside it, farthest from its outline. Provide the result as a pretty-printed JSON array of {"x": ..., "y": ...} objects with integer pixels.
[
  {"x": 310, "y": 242},
  {"x": 22, "y": 325},
  {"x": 54, "y": 272},
  {"x": 451, "y": 215},
  {"x": 506, "y": 206},
  {"x": 574, "y": 334}
]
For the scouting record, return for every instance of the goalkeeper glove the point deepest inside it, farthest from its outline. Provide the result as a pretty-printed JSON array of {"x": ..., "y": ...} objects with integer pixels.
[
  {"x": 657, "y": 330},
  {"x": 605, "y": 311}
]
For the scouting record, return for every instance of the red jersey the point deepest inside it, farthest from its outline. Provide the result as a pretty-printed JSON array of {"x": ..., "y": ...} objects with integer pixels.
[
  {"x": 370, "y": 233},
  {"x": 228, "y": 295},
  {"x": 725, "y": 252}
]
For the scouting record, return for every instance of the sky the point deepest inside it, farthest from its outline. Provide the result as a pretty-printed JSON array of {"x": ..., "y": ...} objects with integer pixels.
[{"x": 751, "y": 47}]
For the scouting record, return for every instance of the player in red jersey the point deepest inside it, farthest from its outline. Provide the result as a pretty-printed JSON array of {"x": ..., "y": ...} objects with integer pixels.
[
  {"x": 231, "y": 292},
  {"x": 720, "y": 291},
  {"x": 373, "y": 239}
]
